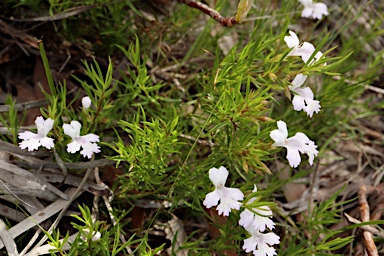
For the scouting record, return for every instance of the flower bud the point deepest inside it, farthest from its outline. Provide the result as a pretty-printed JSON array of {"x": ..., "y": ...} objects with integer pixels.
[{"x": 86, "y": 101}]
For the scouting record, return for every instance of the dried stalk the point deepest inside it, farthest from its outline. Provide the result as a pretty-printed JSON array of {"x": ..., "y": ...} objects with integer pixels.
[
  {"x": 365, "y": 216},
  {"x": 225, "y": 21}
]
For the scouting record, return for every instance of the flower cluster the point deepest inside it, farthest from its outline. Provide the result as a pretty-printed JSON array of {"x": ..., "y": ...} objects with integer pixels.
[
  {"x": 303, "y": 98},
  {"x": 33, "y": 141},
  {"x": 313, "y": 10},
  {"x": 255, "y": 220}
]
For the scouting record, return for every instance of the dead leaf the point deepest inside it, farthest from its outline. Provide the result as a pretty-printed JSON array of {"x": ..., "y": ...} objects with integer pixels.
[{"x": 174, "y": 228}]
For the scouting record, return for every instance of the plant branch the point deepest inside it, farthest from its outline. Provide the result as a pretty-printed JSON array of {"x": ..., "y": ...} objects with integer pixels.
[{"x": 225, "y": 21}]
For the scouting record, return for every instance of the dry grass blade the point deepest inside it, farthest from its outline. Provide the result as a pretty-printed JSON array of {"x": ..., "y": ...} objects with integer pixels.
[
  {"x": 62, "y": 15},
  {"x": 16, "y": 187},
  {"x": 26, "y": 179},
  {"x": 45, "y": 249},
  {"x": 7, "y": 239},
  {"x": 75, "y": 182},
  {"x": 24, "y": 106},
  {"x": 69, "y": 165},
  {"x": 11, "y": 213},
  {"x": 39, "y": 216}
]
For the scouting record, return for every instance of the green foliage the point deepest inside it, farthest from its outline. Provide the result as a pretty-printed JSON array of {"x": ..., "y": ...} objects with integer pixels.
[
  {"x": 100, "y": 92},
  {"x": 319, "y": 240},
  {"x": 10, "y": 120},
  {"x": 151, "y": 144}
]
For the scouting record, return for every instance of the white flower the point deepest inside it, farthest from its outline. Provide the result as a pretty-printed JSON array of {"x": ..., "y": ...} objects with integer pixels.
[
  {"x": 304, "y": 50},
  {"x": 295, "y": 145},
  {"x": 86, "y": 102},
  {"x": 303, "y": 99},
  {"x": 228, "y": 197},
  {"x": 314, "y": 10},
  {"x": 260, "y": 243},
  {"x": 33, "y": 141},
  {"x": 258, "y": 220},
  {"x": 87, "y": 142}
]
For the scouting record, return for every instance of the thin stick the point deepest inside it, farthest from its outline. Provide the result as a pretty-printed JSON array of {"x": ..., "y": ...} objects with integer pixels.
[
  {"x": 365, "y": 216},
  {"x": 367, "y": 228},
  {"x": 225, "y": 21}
]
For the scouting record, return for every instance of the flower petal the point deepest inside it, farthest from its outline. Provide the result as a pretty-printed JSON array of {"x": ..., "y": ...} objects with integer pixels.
[
  {"x": 225, "y": 206},
  {"x": 211, "y": 199},
  {"x": 39, "y": 122},
  {"x": 306, "y": 12},
  {"x": 319, "y": 9},
  {"x": 306, "y": 50},
  {"x": 279, "y": 135},
  {"x": 293, "y": 157},
  {"x": 89, "y": 148},
  {"x": 68, "y": 130},
  {"x": 218, "y": 176},
  {"x": 246, "y": 218},
  {"x": 31, "y": 144},
  {"x": 313, "y": 106},
  {"x": 47, "y": 127},
  {"x": 292, "y": 40},
  {"x": 27, "y": 135},
  {"x": 306, "y": 2},
  {"x": 311, "y": 151},
  {"x": 298, "y": 81},
  {"x": 271, "y": 238},
  {"x": 47, "y": 142},
  {"x": 91, "y": 138},
  {"x": 72, "y": 130},
  {"x": 73, "y": 147},
  {"x": 249, "y": 244},
  {"x": 298, "y": 102},
  {"x": 235, "y": 193}
]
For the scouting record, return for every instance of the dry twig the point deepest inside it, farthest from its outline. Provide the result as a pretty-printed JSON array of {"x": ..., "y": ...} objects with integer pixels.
[
  {"x": 364, "y": 214},
  {"x": 225, "y": 21}
]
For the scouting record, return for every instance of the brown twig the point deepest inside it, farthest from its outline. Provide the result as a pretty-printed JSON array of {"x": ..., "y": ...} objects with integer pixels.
[
  {"x": 225, "y": 21},
  {"x": 373, "y": 230},
  {"x": 365, "y": 216}
]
